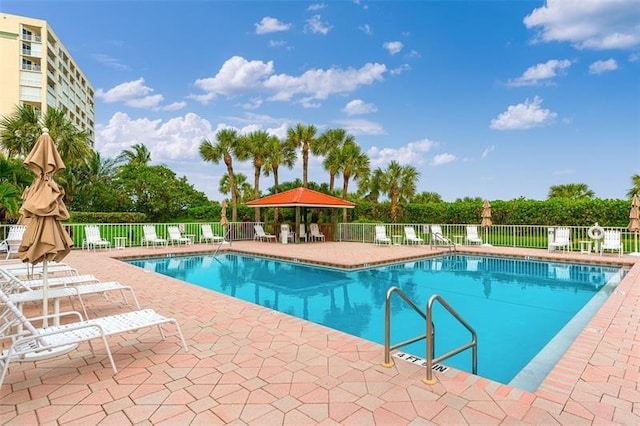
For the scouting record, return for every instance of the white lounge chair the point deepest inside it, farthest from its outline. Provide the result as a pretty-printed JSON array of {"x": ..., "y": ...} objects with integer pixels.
[
  {"x": 92, "y": 238},
  {"x": 21, "y": 270},
  {"x": 13, "y": 240},
  {"x": 176, "y": 237},
  {"x": 150, "y": 236},
  {"x": 260, "y": 235},
  {"x": 208, "y": 235},
  {"x": 411, "y": 237},
  {"x": 562, "y": 240},
  {"x": 20, "y": 292},
  {"x": 472, "y": 235},
  {"x": 611, "y": 241},
  {"x": 315, "y": 233},
  {"x": 438, "y": 238},
  {"x": 33, "y": 343},
  {"x": 381, "y": 235}
]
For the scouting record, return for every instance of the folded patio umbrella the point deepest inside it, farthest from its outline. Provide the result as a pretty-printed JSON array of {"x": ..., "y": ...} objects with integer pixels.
[{"x": 42, "y": 210}]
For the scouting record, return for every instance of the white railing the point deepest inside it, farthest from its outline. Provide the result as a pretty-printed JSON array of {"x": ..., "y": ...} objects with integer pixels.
[{"x": 523, "y": 236}]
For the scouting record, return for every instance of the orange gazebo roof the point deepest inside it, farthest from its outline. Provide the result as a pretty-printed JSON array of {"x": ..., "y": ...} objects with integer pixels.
[{"x": 301, "y": 197}]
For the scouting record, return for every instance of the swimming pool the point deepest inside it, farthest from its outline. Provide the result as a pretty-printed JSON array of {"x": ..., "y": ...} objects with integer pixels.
[{"x": 526, "y": 312}]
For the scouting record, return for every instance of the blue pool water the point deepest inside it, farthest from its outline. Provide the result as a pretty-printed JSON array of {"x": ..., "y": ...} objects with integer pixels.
[{"x": 516, "y": 306}]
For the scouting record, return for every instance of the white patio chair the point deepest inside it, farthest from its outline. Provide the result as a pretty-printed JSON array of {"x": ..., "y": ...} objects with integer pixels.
[
  {"x": 438, "y": 238},
  {"x": 260, "y": 235},
  {"x": 176, "y": 237},
  {"x": 411, "y": 237},
  {"x": 150, "y": 236},
  {"x": 93, "y": 239},
  {"x": 611, "y": 241},
  {"x": 13, "y": 240},
  {"x": 303, "y": 233},
  {"x": 561, "y": 240},
  {"x": 208, "y": 235},
  {"x": 284, "y": 227},
  {"x": 381, "y": 235},
  {"x": 472, "y": 235},
  {"x": 32, "y": 343},
  {"x": 315, "y": 233}
]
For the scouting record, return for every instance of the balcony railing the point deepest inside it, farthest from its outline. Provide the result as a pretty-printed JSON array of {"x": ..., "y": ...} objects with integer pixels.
[{"x": 517, "y": 236}]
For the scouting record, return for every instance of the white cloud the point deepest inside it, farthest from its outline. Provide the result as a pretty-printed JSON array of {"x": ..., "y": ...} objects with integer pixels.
[
  {"x": 599, "y": 67},
  {"x": 634, "y": 57},
  {"x": 316, "y": 26},
  {"x": 136, "y": 94},
  {"x": 488, "y": 150},
  {"x": 361, "y": 127},
  {"x": 239, "y": 76},
  {"x": 316, "y": 6},
  {"x": 121, "y": 93},
  {"x": 277, "y": 43},
  {"x": 588, "y": 24},
  {"x": 271, "y": 25},
  {"x": 236, "y": 75},
  {"x": 523, "y": 116},
  {"x": 541, "y": 72},
  {"x": 441, "y": 159},
  {"x": 393, "y": 47},
  {"x": 358, "y": 106},
  {"x": 110, "y": 62},
  {"x": 366, "y": 28},
  {"x": 412, "y": 153},
  {"x": 175, "y": 139},
  {"x": 399, "y": 70}
]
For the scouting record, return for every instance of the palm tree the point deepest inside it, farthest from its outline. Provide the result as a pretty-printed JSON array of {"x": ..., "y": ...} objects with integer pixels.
[
  {"x": 244, "y": 191},
  {"x": 254, "y": 146},
  {"x": 570, "y": 190},
  {"x": 635, "y": 189},
  {"x": 138, "y": 155},
  {"x": 10, "y": 201},
  {"x": 224, "y": 150},
  {"x": 303, "y": 137},
  {"x": 399, "y": 183},
  {"x": 329, "y": 144},
  {"x": 369, "y": 186},
  {"x": 73, "y": 144},
  {"x": 19, "y": 131},
  {"x": 355, "y": 164},
  {"x": 427, "y": 197},
  {"x": 279, "y": 152}
]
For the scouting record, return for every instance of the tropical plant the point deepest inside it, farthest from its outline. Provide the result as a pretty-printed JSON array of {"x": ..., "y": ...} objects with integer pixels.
[
  {"x": 355, "y": 164},
  {"x": 244, "y": 191},
  {"x": 427, "y": 197},
  {"x": 224, "y": 149},
  {"x": 330, "y": 145},
  {"x": 570, "y": 190},
  {"x": 20, "y": 131},
  {"x": 303, "y": 137},
  {"x": 254, "y": 146},
  {"x": 635, "y": 188},
  {"x": 279, "y": 153},
  {"x": 399, "y": 183},
  {"x": 138, "y": 155},
  {"x": 10, "y": 200}
]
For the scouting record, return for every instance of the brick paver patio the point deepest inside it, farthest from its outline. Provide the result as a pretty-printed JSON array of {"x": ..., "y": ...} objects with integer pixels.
[{"x": 250, "y": 365}]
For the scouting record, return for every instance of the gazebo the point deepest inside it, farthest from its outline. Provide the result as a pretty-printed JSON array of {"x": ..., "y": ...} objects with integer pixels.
[{"x": 301, "y": 197}]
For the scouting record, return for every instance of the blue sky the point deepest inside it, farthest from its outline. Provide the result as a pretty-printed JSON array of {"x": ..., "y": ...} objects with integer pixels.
[{"x": 491, "y": 99}]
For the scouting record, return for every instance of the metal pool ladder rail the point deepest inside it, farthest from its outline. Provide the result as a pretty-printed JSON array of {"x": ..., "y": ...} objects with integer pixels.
[{"x": 430, "y": 331}]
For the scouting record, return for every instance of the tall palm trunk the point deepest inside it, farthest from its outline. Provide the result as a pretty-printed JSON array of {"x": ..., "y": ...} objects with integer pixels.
[
  {"x": 345, "y": 191},
  {"x": 305, "y": 166},
  {"x": 234, "y": 193},
  {"x": 256, "y": 188}
]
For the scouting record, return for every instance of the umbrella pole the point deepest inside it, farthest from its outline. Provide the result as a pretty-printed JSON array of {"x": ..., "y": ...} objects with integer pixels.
[{"x": 45, "y": 296}]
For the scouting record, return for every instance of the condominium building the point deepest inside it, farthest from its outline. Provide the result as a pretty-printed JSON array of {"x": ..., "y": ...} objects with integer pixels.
[{"x": 36, "y": 69}]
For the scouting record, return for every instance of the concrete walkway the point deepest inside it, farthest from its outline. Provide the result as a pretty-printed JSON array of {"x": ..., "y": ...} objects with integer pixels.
[{"x": 250, "y": 365}]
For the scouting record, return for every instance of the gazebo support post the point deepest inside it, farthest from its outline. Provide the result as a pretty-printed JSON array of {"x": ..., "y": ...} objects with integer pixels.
[{"x": 297, "y": 230}]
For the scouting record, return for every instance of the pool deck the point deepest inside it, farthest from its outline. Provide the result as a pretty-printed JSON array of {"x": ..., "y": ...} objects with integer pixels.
[{"x": 247, "y": 364}]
